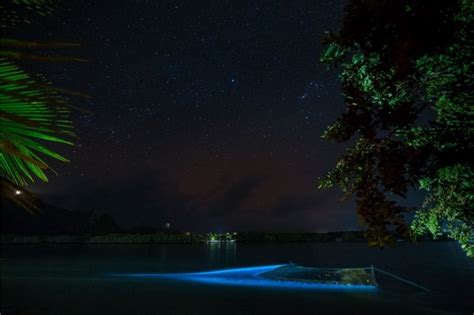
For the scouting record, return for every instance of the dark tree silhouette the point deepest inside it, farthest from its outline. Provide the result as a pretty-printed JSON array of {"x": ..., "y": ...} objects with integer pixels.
[{"x": 406, "y": 69}]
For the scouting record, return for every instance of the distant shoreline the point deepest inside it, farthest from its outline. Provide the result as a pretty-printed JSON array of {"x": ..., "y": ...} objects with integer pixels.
[{"x": 190, "y": 238}]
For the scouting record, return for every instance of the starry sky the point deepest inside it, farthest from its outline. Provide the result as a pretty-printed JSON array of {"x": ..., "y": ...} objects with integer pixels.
[{"x": 207, "y": 115}]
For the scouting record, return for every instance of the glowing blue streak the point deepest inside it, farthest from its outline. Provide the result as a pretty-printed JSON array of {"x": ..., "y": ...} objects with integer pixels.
[
  {"x": 249, "y": 276},
  {"x": 231, "y": 273},
  {"x": 237, "y": 271}
]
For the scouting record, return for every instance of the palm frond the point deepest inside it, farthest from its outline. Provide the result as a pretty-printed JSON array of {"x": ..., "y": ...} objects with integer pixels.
[
  {"x": 30, "y": 118},
  {"x": 18, "y": 195},
  {"x": 15, "y": 12},
  {"x": 11, "y": 42}
]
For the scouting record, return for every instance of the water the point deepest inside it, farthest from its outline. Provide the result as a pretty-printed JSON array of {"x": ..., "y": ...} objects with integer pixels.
[{"x": 86, "y": 279}]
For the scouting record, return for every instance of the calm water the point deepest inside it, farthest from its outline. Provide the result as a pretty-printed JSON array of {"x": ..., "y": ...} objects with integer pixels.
[{"x": 77, "y": 280}]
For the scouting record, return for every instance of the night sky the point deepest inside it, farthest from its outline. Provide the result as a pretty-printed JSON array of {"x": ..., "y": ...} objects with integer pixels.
[{"x": 207, "y": 116}]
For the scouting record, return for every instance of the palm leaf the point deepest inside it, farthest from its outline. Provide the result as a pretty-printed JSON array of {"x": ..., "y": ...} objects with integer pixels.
[
  {"x": 15, "y": 12},
  {"x": 16, "y": 194},
  {"x": 31, "y": 116}
]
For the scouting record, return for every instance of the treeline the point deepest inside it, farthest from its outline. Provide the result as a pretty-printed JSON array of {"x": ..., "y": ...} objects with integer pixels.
[
  {"x": 300, "y": 237},
  {"x": 178, "y": 238},
  {"x": 343, "y": 236},
  {"x": 54, "y": 225},
  {"x": 115, "y": 238},
  {"x": 51, "y": 220},
  {"x": 184, "y": 238}
]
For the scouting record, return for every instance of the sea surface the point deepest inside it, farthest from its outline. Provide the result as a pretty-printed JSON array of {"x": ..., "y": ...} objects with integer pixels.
[{"x": 73, "y": 279}]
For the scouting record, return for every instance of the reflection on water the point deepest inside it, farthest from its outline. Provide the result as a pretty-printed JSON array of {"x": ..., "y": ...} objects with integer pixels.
[
  {"x": 72, "y": 279},
  {"x": 222, "y": 252}
]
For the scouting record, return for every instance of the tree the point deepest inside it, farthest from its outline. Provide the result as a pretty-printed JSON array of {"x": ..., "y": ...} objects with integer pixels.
[
  {"x": 33, "y": 113},
  {"x": 406, "y": 69}
]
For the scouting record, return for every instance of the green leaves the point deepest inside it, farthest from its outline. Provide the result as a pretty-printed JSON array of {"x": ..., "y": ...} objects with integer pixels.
[
  {"x": 16, "y": 11},
  {"x": 450, "y": 206},
  {"x": 33, "y": 115},
  {"x": 391, "y": 77},
  {"x": 30, "y": 117},
  {"x": 333, "y": 54}
]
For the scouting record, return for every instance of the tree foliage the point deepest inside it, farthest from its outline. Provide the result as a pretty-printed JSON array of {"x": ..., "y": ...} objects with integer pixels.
[
  {"x": 406, "y": 70},
  {"x": 33, "y": 113},
  {"x": 29, "y": 116}
]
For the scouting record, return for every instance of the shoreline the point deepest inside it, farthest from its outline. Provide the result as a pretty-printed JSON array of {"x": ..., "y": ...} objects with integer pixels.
[{"x": 193, "y": 238}]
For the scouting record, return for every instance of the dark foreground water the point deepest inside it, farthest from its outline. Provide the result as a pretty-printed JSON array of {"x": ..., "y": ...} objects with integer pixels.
[{"x": 86, "y": 279}]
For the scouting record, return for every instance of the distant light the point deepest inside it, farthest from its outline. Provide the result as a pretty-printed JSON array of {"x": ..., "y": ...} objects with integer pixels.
[
  {"x": 17, "y": 192},
  {"x": 167, "y": 225}
]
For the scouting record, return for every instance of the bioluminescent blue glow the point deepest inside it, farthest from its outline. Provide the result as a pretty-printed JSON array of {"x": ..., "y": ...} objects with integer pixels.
[
  {"x": 244, "y": 271},
  {"x": 248, "y": 276},
  {"x": 233, "y": 273}
]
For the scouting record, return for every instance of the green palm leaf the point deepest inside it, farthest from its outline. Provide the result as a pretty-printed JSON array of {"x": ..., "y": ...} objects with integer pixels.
[{"x": 31, "y": 116}]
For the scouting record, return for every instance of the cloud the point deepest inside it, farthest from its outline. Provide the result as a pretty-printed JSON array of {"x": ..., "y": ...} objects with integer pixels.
[
  {"x": 142, "y": 199},
  {"x": 229, "y": 195},
  {"x": 291, "y": 204},
  {"x": 255, "y": 201}
]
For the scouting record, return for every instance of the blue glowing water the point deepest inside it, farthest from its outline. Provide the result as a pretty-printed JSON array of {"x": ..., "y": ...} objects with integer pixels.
[
  {"x": 248, "y": 276},
  {"x": 162, "y": 279}
]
